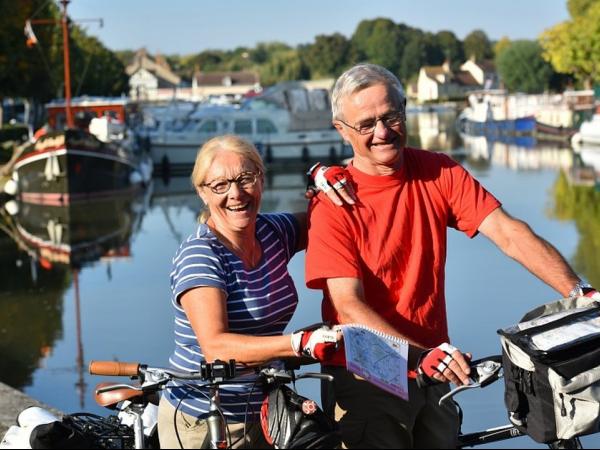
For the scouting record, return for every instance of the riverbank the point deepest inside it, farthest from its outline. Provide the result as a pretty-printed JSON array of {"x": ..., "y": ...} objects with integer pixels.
[{"x": 12, "y": 402}]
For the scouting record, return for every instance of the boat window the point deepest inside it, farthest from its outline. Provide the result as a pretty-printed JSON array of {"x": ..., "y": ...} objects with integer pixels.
[
  {"x": 265, "y": 126},
  {"x": 209, "y": 126},
  {"x": 242, "y": 126}
]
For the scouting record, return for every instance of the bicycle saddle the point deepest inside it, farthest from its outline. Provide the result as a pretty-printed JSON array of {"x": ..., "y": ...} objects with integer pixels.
[{"x": 110, "y": 399}]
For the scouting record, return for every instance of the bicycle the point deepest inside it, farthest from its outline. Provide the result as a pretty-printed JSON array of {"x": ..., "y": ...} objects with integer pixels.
[
  {"x": 484, "y": 372},
  {"x": 133, "y": 401}
]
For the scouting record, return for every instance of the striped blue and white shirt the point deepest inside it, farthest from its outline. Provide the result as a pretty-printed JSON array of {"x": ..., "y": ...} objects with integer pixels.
[{"x": 260, "y": 302}]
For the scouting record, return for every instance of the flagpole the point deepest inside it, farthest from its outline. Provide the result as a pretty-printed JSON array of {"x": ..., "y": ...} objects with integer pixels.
[{"x": 67, "y": 65}]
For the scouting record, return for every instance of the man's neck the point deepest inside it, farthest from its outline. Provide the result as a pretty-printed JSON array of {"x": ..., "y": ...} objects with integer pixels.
[{"x": 371, "y": 168}]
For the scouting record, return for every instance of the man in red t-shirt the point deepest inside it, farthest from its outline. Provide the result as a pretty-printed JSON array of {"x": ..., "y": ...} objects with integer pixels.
[{"x": 381, "y": 261}]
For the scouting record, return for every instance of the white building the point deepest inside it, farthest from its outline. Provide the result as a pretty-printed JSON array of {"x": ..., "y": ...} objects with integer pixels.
[{"x": 151, "y": 79}]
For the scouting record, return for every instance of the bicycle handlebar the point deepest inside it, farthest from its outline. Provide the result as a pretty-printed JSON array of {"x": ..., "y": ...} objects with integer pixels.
[
  {"x": 114, "y": 368},
  {"x": 484, "y": 372}
]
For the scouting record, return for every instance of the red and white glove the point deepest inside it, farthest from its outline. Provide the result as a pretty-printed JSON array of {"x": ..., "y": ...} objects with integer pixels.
[
  {"x": 325, "y": 178},
  {"x": 434, "y": 362},
  {"x": 319, "y": 344},
  {"x": 582, "y": 289}
]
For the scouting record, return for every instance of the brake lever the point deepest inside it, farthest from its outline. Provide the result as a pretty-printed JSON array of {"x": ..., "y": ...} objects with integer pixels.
[{"x": 483, "y": 372}]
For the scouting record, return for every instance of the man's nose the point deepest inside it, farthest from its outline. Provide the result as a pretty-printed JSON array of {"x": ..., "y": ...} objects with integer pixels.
[{"x": 381, "y": 130}]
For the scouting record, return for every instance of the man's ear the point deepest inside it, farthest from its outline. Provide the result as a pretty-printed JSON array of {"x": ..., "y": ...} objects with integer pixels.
[{"x": 342, "y": 130}]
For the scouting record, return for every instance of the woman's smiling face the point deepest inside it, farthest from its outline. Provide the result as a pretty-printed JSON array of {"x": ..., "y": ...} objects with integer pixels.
[{"x": 237, "y": 208}]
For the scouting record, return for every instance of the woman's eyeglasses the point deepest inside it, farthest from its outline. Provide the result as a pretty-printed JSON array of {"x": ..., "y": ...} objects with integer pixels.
[
  {"x": 368, "y": 126},
  {"x": 245, "y": 180}
]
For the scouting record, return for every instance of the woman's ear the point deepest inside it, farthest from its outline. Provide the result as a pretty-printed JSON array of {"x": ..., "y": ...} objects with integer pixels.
[{"x": 201, "y": 194}]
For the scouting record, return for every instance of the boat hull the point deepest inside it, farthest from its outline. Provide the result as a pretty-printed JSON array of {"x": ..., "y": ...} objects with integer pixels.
[
  {"x": 510, "y": 127},
  {"x": 183, "y": 155},
  {"x": 72, "y": 166}
]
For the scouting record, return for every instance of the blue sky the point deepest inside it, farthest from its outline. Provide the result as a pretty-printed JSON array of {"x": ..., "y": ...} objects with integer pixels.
[{"x": 190, "y": 26}]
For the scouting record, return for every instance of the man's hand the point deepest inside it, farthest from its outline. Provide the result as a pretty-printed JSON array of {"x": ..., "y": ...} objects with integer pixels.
[
  {"x": 331, "y": 180},
  {"x": 591, "y": 293},
  {"x": 443, "y": 364},
  {"x": 319, "y": 344}
]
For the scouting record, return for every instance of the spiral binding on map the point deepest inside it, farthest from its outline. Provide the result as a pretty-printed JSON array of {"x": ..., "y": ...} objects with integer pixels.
[{"x": 381, "y": 334}]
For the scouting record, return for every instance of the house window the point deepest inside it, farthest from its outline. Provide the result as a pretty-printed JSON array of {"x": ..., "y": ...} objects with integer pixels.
[
  {"x": 242, "y": 127},
  {"x": 264, "y": 126}
]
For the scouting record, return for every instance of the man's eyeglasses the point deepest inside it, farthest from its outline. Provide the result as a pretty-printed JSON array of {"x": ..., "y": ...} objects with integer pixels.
[
  {"x": 245, "y": 180},
  {"x": 368, "y": 126}
]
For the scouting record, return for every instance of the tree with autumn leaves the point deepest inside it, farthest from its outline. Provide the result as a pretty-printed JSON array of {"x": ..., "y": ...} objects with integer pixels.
[{"x": 573, "y": 46}]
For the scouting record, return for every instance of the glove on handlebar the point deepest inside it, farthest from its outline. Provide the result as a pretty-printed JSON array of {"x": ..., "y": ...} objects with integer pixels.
[
  {"x": 591, "y": 293},
  {"x": 319, "y": 344},
  {"x": 432, "y": 362}
]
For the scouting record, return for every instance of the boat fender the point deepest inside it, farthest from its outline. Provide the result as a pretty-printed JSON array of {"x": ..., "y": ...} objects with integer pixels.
[
  {"x": 12, "y": 207},
  {"x": 135, "y": 177},
  {"x": 11, "y": 187},
  {"x": 576, "y": 138}
]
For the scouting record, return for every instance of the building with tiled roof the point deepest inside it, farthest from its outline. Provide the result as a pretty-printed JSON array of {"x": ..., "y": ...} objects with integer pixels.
[
  {"x": 442, "y": 83},
  {"x": 234, "y": 83},
  {"x": 151, "y": 78}
]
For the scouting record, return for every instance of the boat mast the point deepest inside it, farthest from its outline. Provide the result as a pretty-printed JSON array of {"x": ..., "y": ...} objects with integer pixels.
[{"x": 67, "y": 64}]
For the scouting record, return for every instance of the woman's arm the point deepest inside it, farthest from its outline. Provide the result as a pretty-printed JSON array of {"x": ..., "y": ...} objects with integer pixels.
[
  {"x": 206, "y": 310},
  {"x": 301, "y": 218}
]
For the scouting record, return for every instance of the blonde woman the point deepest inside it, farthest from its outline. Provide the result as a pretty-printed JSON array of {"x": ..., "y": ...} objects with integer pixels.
[{"x": 232, "y": 294}]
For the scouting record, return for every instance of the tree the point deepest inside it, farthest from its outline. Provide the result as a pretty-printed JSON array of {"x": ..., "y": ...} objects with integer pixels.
[
  {"x": 327, "y": 56},
  {"x": 522, "y": 67},
  {"x": 477, "y": 45},
  {"x": 501, "y": 45},
  {"x": 452, "y": 48},
  {"x": 381, "y": 42},
  {"x": 573, "y": 46},
  {"x": 578, "y": 8},
  {"x": 283, "y": 66}
]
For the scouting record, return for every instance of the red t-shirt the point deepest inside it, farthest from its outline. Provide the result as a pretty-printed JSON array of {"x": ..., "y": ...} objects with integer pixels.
[{"x": 394, "y": 240}]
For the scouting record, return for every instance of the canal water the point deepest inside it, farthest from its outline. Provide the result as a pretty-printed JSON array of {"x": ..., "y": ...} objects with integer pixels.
[{"x": 108, "y": 298}]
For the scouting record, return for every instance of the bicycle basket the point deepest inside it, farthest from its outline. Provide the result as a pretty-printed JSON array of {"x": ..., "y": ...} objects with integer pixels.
[
  {"x": 83, "y": 430},
  {"x": 290, "y": 420}
]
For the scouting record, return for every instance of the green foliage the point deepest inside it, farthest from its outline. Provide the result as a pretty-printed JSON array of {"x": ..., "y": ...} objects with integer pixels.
[
  {"x": 451, "y": 47},
  {"x": 381, "y": 42},
  {"x": 477, "y": 44},
  {"x": 573, "y": 46},
  {"x": 284, "y": 65},
  {"x": 578, "y": 8},
  {"x": 327, "y": 56},
  {"x": 581, "y": 204},
  {"x": 522, "y": 67}
]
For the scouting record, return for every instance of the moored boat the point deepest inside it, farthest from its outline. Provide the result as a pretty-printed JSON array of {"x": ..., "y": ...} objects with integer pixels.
[{"x": 71, "y": 165}]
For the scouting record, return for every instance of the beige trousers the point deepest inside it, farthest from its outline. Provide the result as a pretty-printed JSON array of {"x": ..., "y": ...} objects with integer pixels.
[{"x": 193, "y": 432}]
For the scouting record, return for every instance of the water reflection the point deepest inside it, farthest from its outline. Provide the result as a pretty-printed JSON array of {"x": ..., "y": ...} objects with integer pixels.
[
  {"x": 37, "y": 329},
  {"x": 44, "y": 248},
  {"x": 580, "y": 203}
]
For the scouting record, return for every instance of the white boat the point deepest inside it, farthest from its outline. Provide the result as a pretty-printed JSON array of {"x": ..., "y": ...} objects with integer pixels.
[
  {"x": 285, "y": 123},
  {"x": 589, "y": 132}
]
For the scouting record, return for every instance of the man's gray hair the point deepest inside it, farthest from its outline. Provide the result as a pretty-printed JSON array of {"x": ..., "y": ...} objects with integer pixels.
[{"x": 359, "y": 77}]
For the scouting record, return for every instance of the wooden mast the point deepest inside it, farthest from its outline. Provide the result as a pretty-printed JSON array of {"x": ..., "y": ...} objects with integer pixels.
[{"x": 67, "y": 65}]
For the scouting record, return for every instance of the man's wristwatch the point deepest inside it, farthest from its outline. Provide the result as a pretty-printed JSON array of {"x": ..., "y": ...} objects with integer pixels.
[{"x": 580, "y": 289}]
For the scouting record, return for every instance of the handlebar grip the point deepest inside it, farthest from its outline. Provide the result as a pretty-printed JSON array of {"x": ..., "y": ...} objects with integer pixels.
[{"x": 114, "y": 368}]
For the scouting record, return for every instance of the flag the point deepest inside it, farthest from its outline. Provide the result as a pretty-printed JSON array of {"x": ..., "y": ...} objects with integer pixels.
[{"x": 30, "y": 35}]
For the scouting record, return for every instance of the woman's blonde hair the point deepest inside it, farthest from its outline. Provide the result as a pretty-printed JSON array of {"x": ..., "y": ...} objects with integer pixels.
[{"x": 208, "y": 152}]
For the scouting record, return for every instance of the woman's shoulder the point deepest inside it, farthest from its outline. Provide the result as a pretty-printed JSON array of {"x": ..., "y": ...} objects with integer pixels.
[{"x": 201, "y": 241}]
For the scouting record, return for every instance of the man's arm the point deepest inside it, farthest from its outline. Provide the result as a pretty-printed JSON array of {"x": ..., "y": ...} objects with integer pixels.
[
  {"x": 517, "y": 240},
  {"x": 347, "y": 296}
]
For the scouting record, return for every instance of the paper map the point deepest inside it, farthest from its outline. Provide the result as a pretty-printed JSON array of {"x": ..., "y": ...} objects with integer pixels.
[{"x": 378, "y": 358}]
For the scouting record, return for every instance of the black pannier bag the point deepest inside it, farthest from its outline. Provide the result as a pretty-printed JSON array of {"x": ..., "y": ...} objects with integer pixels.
[{"x": 551, "y": 365}]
